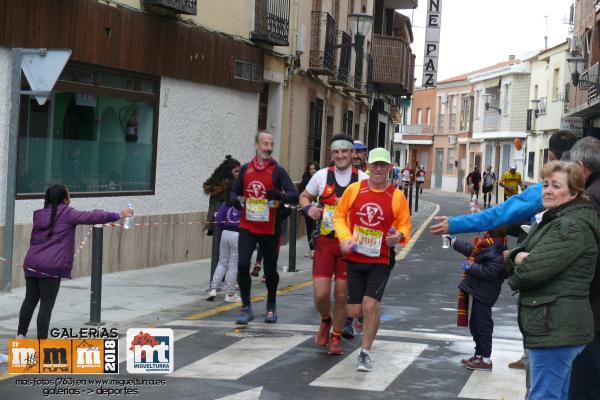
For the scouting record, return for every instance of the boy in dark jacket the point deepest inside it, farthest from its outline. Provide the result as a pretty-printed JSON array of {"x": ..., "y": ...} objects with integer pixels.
[{"x": 482, "y": 280}]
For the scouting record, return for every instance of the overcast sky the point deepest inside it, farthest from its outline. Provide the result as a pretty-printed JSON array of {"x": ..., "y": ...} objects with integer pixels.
[{"x": 478, "y": 33}]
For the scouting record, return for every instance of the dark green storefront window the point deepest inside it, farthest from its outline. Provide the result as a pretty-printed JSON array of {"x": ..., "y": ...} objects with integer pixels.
[{"x": 96, "y": 135}]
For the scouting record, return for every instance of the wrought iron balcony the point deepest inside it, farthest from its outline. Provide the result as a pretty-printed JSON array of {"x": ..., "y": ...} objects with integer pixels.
[
  {"x": 180, "y": 6},
  {"x": 366, "y": 89},
  {"x": 342, "y": 73},
  {"x": 271, "y": 22},
  {"x": 393, "y": 65},
  {"x": 322, "y": 40}
]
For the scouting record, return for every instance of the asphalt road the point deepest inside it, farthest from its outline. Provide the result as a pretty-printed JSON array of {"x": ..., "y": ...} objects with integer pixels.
[{"x": 416, "y": 355}]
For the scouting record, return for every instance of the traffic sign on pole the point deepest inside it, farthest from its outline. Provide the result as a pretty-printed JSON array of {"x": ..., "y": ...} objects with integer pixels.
[{"x": 42, "y": 69}]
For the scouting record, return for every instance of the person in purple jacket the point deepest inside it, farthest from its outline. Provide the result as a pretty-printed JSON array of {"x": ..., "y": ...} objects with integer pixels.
[
  {"x": 51, "y": 252},
  {"x": 228, "y": 219}
]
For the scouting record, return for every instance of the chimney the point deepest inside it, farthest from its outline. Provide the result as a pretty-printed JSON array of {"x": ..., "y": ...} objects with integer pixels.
[{"x": 511, "y": 57}]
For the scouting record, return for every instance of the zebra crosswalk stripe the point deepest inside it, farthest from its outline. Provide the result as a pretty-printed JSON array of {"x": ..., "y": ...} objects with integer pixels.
[
  {"x": 240, "y": 358},
  {"x": 390, "y": 360}
]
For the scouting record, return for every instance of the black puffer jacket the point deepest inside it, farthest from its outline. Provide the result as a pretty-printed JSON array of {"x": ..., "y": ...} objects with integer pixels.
[
  {"x": 592, "y": 190},
  {"x": 486, "y": 274}
]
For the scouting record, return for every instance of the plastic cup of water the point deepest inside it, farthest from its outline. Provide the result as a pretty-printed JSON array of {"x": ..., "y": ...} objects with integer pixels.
[{"x": 445, "y": 242}]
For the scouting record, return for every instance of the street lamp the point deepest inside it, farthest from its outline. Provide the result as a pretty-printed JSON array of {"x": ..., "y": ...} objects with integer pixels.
[
  {"x": 360, "y": 27},
  {"x": 574, "y": 62},
  {"x": 487, "y": 105}
]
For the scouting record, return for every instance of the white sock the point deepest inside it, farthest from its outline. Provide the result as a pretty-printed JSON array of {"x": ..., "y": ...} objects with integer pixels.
[
  {"x": 486, "y": 360},
  {"x": 367, "y": 352}
]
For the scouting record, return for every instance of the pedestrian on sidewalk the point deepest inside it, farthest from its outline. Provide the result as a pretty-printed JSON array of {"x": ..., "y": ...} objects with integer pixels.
[
  {"x": 217, "y": 186},
  {"x": 489, "y": 178},
  {"x": 311, "y": 168},
  {"x": 552, "y": 270},
  {"x": 328, "y": 185},
  {"x": 473, "y": 182},
  {"x": 261, "y": 190},
  {"x": 482, "y": 280},
  {"x": 51, "y": 252},
  {"x": 420, "y": 178},
  {"x": 370, "y": 219},
  {"x": 228, "y": 219}
]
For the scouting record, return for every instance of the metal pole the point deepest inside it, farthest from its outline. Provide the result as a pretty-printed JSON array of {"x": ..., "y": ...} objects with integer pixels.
[
  {"x": 216, "y": 243},
  {"x": 410, "y": 197},
  {"x": 417, "y": 197},
  {"x": 292, "y": 238},
  {"x": 496, "y": 193},
  {"x": 96, "y": 277},
  {"x": 11, "y": 170}
]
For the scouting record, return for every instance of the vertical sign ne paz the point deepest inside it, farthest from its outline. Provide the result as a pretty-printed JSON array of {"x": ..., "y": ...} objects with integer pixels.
[{"x": 432, "y": 43}]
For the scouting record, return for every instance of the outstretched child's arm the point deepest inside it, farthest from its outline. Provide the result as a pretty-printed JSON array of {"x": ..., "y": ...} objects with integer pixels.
[
  {"x": 76, "y": 217},
  {"x": 464, "y": 248}
]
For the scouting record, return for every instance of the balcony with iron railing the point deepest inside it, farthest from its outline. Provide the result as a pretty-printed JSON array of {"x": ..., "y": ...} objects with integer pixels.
[
  {"x": 491, "y": 120},
  {"x": 322, "y": 39},
  {"x": 413, "y": 132},
  {"x": 366, "y": 87},
  {"x": 271, "y": 22},
  {"x": 393, "y": 65},
  {"x": 341, "y": 75},
  {"x": 187, "y": 7},
  {"x": 590, "y": 80}
]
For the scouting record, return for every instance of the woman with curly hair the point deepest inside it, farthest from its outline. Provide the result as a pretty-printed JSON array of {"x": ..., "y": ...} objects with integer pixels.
[{"x": 217, "y": 187}]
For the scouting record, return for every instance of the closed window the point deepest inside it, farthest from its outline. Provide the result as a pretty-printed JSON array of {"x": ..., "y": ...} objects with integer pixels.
[
  {"x": 96, "y": 134},
  {"x": 530, "y": 164},
  {"x": 450, "y": 165}
]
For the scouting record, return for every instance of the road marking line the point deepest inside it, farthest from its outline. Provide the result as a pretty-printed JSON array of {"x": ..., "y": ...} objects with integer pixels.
[
  {"x": 501, "y": 383},
  {"x": 443, "y": 337},
  {"x": 391, "y": 359},
  {"x": 404, "y": 252},
  {"x": 252, "y": 394},
  {"x": 240, "y": 358},
  {"x": 232, "y": 306}
]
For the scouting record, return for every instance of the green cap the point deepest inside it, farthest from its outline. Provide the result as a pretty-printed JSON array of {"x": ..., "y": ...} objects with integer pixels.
[{"x": 379, "y": 154}]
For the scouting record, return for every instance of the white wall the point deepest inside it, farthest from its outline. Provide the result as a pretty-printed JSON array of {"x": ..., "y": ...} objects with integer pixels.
[
  {"x": 5, "y": 66},
  {"x": 198, "y": 125}
]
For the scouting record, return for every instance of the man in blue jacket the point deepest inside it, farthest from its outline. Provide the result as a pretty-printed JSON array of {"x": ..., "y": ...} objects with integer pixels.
[{"x": 514, "y": 210}]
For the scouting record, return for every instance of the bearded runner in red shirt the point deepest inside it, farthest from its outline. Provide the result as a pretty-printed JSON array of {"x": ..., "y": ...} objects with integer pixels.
[
  {"x": 328, "y": 185},
  {"x": 260, "y": 191},
  {"x": 370, "y": 219}
]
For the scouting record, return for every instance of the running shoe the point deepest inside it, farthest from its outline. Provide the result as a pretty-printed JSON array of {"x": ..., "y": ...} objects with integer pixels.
[
  {"x": 212, "y": 293},
  {"x": 348, "y": 331},
  {"x": 256, "y": 270},
  {"x": 364, "y": 362},
  {"x": 271, "y": 316},
  {"x": 464, "y": 361},
  {"x": 335, "y": 346},
  {"x": 479, "y": 364},
  {"x": 246, "y": 316},
  {"x": 232, "y": 298},
  {"x": 322, "y": 337}
]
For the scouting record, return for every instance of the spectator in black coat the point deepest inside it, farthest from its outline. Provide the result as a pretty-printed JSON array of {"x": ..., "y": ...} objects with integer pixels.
[
  {"x": 482, "y": 281},
  {"x": 585, "y": 374}
]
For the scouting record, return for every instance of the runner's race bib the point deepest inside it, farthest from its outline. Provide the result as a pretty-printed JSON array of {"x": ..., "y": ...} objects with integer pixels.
[
  {"x": 368, "y": 241},
  {"x": 328, "y": 211},
  {"x": 257, "y": 210}
]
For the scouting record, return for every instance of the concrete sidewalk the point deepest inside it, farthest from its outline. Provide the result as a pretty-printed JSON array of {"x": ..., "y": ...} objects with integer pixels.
[{"x": 152, "y": 296}]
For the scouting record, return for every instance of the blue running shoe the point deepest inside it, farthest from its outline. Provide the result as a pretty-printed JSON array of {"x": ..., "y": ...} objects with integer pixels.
[
  {"x": 348, "y": 331},
  {"x": 246, "y": 316},
  {"x": 271, "y": 316}
]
